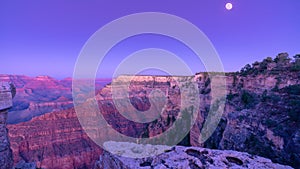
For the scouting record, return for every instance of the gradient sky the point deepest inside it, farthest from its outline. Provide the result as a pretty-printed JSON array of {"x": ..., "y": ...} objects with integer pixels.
[{"x": 45, "y": 37}]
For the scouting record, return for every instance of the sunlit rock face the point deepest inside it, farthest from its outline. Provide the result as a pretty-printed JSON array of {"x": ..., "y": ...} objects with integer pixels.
[{"x": 180, "y": 157}]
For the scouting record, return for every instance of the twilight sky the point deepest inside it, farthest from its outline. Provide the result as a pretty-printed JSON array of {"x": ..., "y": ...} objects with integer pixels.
[{"x": 45, "y": 37}]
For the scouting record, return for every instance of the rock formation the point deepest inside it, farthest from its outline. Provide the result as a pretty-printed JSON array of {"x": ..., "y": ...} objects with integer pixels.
[
  {"x": 54, "y": 140},
  {"x": 6, "y": 95},
  {"x": 262, "y": 112},
  {"x": 261, "y": 116},
  {"x": 180, "y": 157}
]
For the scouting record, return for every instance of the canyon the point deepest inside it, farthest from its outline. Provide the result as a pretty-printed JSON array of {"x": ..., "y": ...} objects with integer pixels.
[
  {"x": 42, "y": 94},
  {"x": 261, "y": 116}
]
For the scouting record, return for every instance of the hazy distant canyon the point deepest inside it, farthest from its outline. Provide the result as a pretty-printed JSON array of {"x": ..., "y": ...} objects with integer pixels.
[{"x": 42, "y": 94}]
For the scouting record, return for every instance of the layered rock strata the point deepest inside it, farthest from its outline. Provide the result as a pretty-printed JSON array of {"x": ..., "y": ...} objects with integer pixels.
[{"x": 53, "y": 141}]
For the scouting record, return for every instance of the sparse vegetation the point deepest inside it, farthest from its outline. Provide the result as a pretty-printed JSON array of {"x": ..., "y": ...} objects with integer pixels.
[
  {"x": 248, "y": 99},
  {"x": 264, "y": 96},
  {"x": 282, "y": 62},
  {"x": 294, "y": 111},
  {"x": 296, "y": 64},
  {"x": 230, "y": 96},
  {"x": 292, "y": 89},
  {"x": 207, "y": 82}
]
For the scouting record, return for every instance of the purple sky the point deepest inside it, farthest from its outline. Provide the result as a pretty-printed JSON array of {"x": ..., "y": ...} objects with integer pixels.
[{"x": 45, "y": 37}]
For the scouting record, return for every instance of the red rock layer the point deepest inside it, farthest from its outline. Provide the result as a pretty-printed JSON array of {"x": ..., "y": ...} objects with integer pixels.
[{"x": 53, "y": 140}]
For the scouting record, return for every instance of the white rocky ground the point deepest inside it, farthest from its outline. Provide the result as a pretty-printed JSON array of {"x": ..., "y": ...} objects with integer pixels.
[{"x": 178, "y": 157}]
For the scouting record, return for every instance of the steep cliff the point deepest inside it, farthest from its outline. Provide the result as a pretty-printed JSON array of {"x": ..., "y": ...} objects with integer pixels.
[
  {"x": 6, "y": 94},
  {"x": 262, "y": 112}
]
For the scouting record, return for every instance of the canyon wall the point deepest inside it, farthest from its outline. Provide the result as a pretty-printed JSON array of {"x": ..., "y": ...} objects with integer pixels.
[
  {"x": 54, "y": 140},
  {"x": 261, "y": 115}
]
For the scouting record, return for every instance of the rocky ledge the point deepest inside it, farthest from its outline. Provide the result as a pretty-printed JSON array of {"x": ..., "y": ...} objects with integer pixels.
[{"x": 178, "y": 157}]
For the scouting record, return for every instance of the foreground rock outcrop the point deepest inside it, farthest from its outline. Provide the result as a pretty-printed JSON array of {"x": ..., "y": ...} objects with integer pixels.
[
  {"x": 180, "y": 157},
  {"x": 7, "y": 92}
]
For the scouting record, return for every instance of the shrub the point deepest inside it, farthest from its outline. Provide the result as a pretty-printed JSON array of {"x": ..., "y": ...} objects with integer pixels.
[
  {"x": 270, "y": 123},
  {"x": 282, "y": 58},
  {"x": 245, "y": 70},
  {"x": 295, "y": 68},
  {"x": 207, "y": 82},
  {"x": 264, "y": 96},
  {"x": 292, "y": 89},
  {"x": 296, "y": 65},
  {"x": 294, "y": 111},
  {"x": 268, "y": 60},
  {"x": 230, "y": 96},
  {"x": 247, "y": 99}
]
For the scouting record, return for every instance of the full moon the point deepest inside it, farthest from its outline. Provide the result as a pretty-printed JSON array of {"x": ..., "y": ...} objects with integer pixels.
[{"x": 228, "y": 6}]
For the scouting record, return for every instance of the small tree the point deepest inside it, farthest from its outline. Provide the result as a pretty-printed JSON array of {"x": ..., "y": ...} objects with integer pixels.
[
  {"x": 13, "y": 89},
  {"x": 256, "y": 63},
  {"x": 245, "y": 69},
  {"x": 296, "y": 64},
  {"x": 268, "y": 60},
  {"x": 282, "y": 58},
  {"x": 297, "y": 56}
]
